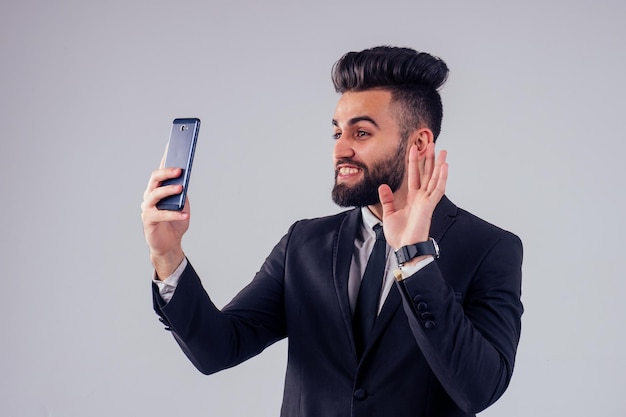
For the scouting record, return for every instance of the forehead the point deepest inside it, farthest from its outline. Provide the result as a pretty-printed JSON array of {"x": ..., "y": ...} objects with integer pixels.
[{"x": 372, "y": 103}]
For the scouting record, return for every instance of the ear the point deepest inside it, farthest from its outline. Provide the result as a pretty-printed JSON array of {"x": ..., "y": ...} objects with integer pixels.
[{"x": 421, "y": 138}]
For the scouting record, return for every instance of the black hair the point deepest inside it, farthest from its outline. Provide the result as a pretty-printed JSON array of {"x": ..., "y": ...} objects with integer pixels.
[{"x": 412, "y": 77}]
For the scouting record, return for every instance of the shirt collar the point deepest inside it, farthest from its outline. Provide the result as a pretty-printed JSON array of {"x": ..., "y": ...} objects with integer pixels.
[{"x": 369, "y": 220}]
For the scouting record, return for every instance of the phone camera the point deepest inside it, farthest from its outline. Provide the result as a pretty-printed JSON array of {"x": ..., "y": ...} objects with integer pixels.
[{"x": 183, "y": 128}]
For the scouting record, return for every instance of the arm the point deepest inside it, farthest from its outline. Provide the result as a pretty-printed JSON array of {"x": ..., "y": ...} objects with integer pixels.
[
  {"x": 470, "y": 344},
  {"x": 214, "y": 340}
]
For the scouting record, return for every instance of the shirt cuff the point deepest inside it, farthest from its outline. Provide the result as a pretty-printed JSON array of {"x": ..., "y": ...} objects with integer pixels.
[
  {"x": 406, "y": 271},
  {"x": 168, "y": 285}
]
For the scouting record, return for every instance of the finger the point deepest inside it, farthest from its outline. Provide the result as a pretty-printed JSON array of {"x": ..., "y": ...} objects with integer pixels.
[
  {"x": 385, "y": 196},
  {"x": 160, "y": 193},
  {"x": 434, "y": 180},
  {"x": 159, "y": 176},
  {"x": 154, "y": 216},
  {"x": 414, "y": 169},
  {"x": 429, "y": 159},
  {"x": 420, "y": 167},
  {"x": 443, "y": 180}
]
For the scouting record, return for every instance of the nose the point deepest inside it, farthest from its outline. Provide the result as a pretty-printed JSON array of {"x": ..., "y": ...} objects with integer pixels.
[{"x": 343, "y": 149}]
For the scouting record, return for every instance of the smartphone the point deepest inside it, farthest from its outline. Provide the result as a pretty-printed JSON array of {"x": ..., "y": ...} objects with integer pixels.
[{"x": 180, "y": 150}]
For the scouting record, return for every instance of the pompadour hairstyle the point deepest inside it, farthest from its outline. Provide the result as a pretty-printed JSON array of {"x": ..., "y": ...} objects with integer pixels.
[{"x": 413, "y": 78}]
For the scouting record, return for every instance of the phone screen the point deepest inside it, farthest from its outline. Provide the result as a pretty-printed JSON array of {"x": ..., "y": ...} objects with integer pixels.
[{"x": 180, "y": 151}]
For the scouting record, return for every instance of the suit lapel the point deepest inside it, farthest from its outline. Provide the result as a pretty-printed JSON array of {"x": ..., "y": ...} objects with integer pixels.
[
  {"x": 390, "y": 306},
  {"x": 343, "y": 249},
  {"x": 443, "y": 217}
]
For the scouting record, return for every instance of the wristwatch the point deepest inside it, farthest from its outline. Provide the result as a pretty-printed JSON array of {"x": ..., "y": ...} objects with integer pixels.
[{"x": 406, "y": 253}]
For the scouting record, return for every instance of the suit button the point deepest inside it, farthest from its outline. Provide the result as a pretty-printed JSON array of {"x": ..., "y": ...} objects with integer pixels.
[
  {"x": 429, "y": 324},
  {"x": 418, "y": 298},
  {"x": 422, "y": 306},
  {"x": 360, "y": 394}
]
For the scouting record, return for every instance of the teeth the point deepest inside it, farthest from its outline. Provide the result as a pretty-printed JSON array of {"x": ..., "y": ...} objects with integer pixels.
[{"x": 347, "y": 171}]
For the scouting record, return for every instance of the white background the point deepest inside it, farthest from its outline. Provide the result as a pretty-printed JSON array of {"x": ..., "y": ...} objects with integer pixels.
[{"x": 533, "y": 125}]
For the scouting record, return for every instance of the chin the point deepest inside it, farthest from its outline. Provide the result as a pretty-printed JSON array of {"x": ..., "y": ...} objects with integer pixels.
[{"x": 354, "y": 196}]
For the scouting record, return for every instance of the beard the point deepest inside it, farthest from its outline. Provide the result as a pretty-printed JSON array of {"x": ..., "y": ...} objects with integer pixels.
[{"x": 389, "y": 171}]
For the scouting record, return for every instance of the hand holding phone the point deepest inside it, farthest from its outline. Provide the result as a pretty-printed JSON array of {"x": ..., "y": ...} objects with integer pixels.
[{"x": 180, "y": 153}]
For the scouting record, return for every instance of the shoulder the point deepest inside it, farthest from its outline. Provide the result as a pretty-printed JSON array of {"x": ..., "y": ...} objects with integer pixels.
[
  {"x": 473, "y": 248},
  {"x": 322, "y": 230},
  {"x": 312, "y": 238},
  {"x": 319, "y": 225},
  {"x": 474, "y": 230},
  {"x": 472, "y": 221}
]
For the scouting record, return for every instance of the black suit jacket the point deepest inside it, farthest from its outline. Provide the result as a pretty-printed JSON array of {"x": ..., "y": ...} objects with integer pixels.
[{"x": 444, "y": 343}]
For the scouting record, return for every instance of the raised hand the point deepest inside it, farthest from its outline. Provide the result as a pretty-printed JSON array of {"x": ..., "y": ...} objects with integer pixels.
[
  {"x": 164, "y": 229},
  {"x": 426, "y": 185}
]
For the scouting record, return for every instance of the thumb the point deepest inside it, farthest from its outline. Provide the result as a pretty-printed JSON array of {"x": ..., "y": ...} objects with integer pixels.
[{"x": 385, "y": 195}]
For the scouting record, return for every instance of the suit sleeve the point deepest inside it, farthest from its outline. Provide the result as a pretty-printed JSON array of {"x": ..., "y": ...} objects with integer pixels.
[
  {"x": 214, "y": 340},
  {"x": 470, "y": 343}
]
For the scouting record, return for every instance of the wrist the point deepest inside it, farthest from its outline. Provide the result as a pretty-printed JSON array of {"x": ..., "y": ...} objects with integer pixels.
[
  {"x": 166, "y": 264},
  {"x": 416, "y": 260},
  {"x": 414, "y": 253}
]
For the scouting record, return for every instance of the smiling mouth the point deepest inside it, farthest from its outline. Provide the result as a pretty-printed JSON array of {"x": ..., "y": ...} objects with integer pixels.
[{"x": 345, "y": 171}]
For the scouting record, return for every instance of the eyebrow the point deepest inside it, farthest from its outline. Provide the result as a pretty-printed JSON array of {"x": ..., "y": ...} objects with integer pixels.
[{"x": 358, "y": 119}]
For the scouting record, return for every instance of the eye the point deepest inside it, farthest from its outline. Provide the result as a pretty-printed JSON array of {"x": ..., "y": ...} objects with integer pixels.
[
  {"x": 361, "y": 133},
  {"x": 336, "y": 135}
]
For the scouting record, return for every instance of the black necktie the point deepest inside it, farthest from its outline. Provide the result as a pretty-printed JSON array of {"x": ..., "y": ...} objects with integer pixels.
[{"x": 369, "y": 293}]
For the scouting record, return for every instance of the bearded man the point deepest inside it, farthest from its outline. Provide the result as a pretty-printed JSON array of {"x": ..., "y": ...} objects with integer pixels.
[{"x": 419, "y": 317}]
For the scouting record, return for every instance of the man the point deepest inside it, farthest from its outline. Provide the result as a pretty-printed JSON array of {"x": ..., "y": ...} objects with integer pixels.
[{"x": 428, "y": 331}]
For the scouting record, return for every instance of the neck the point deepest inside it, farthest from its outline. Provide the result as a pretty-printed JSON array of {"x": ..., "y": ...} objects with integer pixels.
[
  {"x": 377, "y": 210},
  {"x": 399, "y": 201}
]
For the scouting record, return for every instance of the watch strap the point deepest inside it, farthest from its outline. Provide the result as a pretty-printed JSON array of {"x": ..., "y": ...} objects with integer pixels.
[{"x": 406, "y": 253}]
